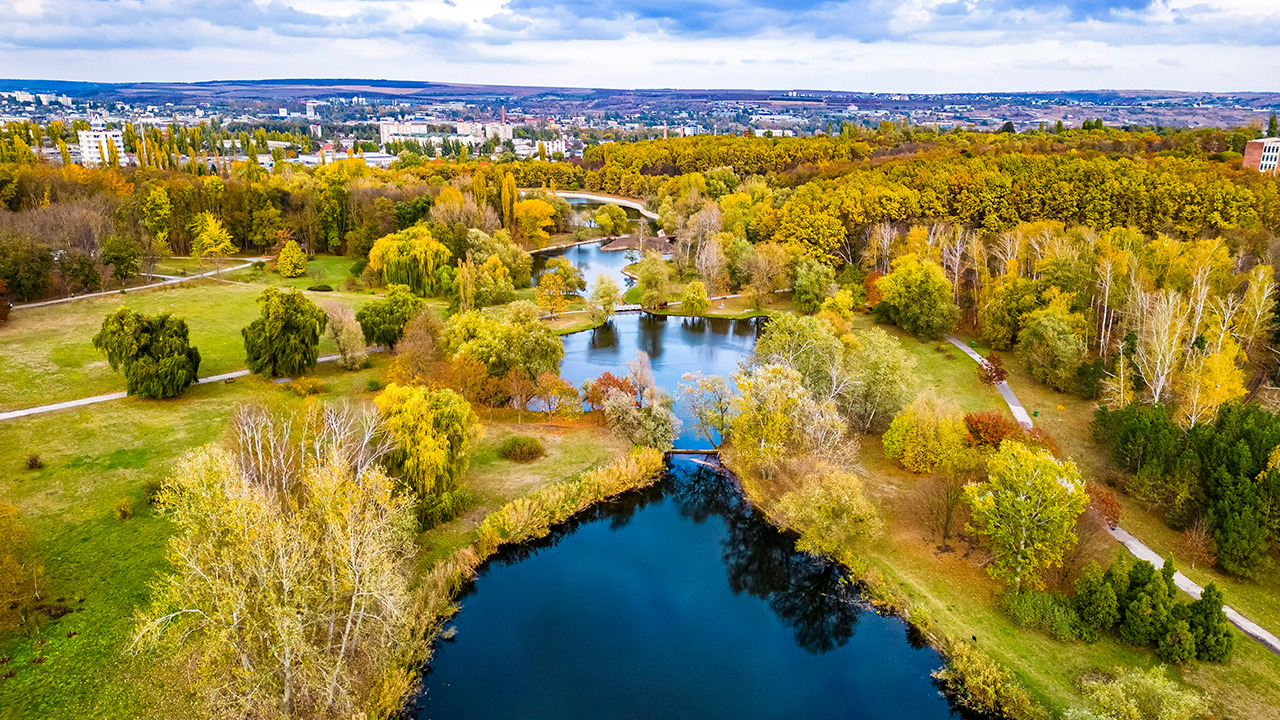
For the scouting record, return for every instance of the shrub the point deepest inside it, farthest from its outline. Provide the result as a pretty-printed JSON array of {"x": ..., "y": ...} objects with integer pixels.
[
  {"x": 352, "y": 284},
  {"x": 1096, "y": 603},
  {"x": 990, "y": 428},
  {"x": 306, "y": 387},
  {"x": 373, "y": 385},
  {"x": 151, "y": 490},
  {"x": 978, "y": 683},
  {"x": 320, "y": 288},
  {"x": 34, "y": 462},
  {"x": 291, "y": 262},
  {"x": 1042, "y": 611},
  {"x": 1140, "y": 694},
  {"x": 123, "y": 509},
  {"x": 522, "y": 448},
  {"x": 992, "y": 371},
  {"x": 260, "y": 265}
]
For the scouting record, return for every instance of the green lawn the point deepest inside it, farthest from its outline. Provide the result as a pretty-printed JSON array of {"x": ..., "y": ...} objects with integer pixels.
[
  {"x": 47, "y": 353},
  {"x": 331, "y": 270},
  {"x": 93, "y": 457}
]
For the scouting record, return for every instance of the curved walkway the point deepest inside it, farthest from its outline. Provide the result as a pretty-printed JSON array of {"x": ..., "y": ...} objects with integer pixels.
[
  {"x": 1131, "y": 543},
  {"x": 170, "y": 280}
]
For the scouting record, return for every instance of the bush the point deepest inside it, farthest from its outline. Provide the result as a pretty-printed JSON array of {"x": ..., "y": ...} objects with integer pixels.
[
  {"x": 1140, "y": 694},
  {"x": 522, "y": 448},
  {"x": 260, "y": 265},
  {"x": 978, "y": 683},
  {"x": 306, "y": 387},
  {"x": 320, "y": 288},
  {"x": 373, "y": 385},
  {"x": 990, "y": 428},
  {"x": 34, "y": 462},
  {"x": 292, "y": 261},
  {"x": 357, "y": 268},
  {"x": 151, "y": 490},
  {"x": 123, "y": 509},
  {"x": 992, "y": 371},
  {"x": 1042, "y": 611}
]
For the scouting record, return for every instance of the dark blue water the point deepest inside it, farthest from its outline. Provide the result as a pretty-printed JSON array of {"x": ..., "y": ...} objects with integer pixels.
[
  {"x": 679, "y": 602},
  {"x": 676, "y": 602}
]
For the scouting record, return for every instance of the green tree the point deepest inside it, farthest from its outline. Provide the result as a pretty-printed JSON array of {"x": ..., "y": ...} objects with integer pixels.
[
  {"x": 1027, "y": 511},
  {"x": 1210, "y": 627},
  {"x": 1049, "y": 347},
  {"x": 1003, "y": 317},
  {"x": 292, "y": 262},
  {"x": 694, "y": 299},
  {"x": 435, "y": 432},
  {"x": 502, "y": 338},
  {"x": 510, "y": 195},
  {"x": 653, "y": 277},
  {"x": 211, "y": 238},
  {"x": 155, "y": 352},
  {"x": 122, "y": 255},
  {"x": 917, "y": 298},
  {"x": 603, "y": 300},
  {"x": 26, "y": 266},
  {"x": 611, "y": 219},
  {"x": 1146, "y": 616},
  {"x": 383, "y": 321},
  {"x": 814, "y": 283},
  {"x": 1096, "y": 602},
  {"x": 285, "y": 340},
  {"x": 1240, "y": 531},
  {"x": 558, "y": 282},
  {"x": 1272, "y": 129},
  {"x": 881, "y": 379},
  {"x": 1177, "y": 646}
]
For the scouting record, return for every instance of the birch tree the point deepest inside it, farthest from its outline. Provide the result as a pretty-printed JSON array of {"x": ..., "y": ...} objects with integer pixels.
[
  {"x": 1162, "y": 327},
  {"x": 1257, "y": 310}
]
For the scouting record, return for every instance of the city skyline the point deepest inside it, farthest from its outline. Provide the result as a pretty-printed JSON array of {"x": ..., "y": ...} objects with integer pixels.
[{"x": 917, "y": 46}]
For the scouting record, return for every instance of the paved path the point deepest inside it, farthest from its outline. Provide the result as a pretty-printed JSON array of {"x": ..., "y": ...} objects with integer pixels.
[
  {"x": 1015, "y": 406},
  {"x": 40, "y": 410},
  {"x": 1131, "y": 543},
  {"x": 170, "y": 280}
]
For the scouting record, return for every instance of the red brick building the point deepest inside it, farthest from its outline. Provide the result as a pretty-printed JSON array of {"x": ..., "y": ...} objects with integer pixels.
[{"x": 1262, "y": 155}]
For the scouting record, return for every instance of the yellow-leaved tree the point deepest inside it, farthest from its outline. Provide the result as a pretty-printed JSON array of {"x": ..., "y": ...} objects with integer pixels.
[
  {"x": 926, "y": 435},
  {"x": 292, "y": 262}
]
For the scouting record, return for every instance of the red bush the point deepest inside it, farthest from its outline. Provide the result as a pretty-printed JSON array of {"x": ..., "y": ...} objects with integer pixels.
[
  {"x": 597, "y": 391},
  {"x": 1103, "y": 499},
  {"x": 992, "y": 371},
  {"x": 873, "y": 291},
  {"x": 988, "y": 429}
]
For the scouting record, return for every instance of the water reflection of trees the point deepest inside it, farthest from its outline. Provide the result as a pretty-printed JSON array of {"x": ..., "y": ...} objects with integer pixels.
[{"x": 816, "y": 598}]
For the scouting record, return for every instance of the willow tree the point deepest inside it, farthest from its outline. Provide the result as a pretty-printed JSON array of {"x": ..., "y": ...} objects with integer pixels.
[
  {"x": 411, "y": 257},
  {"x": 285, "y": 340},
  {"x": 154, "y": 351}
]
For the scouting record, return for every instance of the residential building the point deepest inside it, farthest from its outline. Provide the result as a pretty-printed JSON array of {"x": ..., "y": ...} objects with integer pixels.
[
  {"x": 98, "y": 140},
  {"x": 1262, "y": 155}
]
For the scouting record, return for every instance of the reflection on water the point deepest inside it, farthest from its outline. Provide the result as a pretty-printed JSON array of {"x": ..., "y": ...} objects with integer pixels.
[{"x": 676, "y": 602}]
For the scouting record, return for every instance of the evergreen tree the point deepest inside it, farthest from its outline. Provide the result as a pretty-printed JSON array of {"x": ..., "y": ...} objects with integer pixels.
[
  {"x": 1272, "y": 129},
  {"x": 1210, "y": 627},
  {"x": 285, "y": 340},
  {"x": 292, "y": 262},
  {"x": 1177, "y": 646},
  {"x": 1239, "y": 530},
  {"x": 1095, "y": 601}
]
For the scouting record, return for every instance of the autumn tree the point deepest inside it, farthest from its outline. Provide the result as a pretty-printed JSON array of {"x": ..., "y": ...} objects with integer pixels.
[
  {"x": 1027, "y": 512},
  {"x": 708, "y": 399},
  {"x": 154, "y": 351},
  {"x": 292, "y": 604},
  {"x": 211, "y": 239},
  {"x": 285, "y": 340},
  {"x": 531, "y": 220},
  {"x": 505, "y": 337},
  {"x": 830, "y": 512},
  {"x": 1207, "y": 382},
  {"x": 815, "y": 281},
  {"x": 435, "y": 432},
  {"x": 693, "y": 301},
  {"x": 383, "y": 321},
  {"x": 418, "y": 353},
  {"x": 558, "y": 282},
  {"x": 926, "y": 435},
  {"x": 653, "y": 277},
  {"x": 880, "y": 379},
  {"x": 292, "y": 261},
  {"x": 1049, "y": 347},
  {"x": 1162, "y": 328},
  {"x": 917, "y": 298},
  {"x": 21, "y": 571},
  {"x": 764, "y": 265}
]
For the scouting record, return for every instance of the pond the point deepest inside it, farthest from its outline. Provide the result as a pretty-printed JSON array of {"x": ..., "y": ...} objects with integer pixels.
[
  {"x": 677, "y": 602},
  {"x": 592, "y": 260}
]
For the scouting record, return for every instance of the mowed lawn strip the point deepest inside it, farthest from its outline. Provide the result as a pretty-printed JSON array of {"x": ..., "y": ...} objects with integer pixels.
[{"x": 47, "y": 354}]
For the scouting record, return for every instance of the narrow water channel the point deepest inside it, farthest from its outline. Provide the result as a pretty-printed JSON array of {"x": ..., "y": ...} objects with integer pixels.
[{"x": 677, "y": 602}]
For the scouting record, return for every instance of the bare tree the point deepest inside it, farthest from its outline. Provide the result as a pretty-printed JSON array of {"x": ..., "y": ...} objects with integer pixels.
[
  {"x": 347, "y": 335},
  {"x": 942, "y": 496},
  {"x": 1197, "y": 541},
  {"x": 710, "y": 263},
  {"x": 879, "y": 247},
  {"x": 1162, "y": 326}
]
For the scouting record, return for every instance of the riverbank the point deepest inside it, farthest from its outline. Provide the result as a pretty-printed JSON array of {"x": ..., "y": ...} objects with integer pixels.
[{"x": 950, "y": 599}]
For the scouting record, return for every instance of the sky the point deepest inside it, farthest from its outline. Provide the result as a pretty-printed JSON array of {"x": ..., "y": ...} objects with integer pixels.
[{"x": 867, "y": 45}]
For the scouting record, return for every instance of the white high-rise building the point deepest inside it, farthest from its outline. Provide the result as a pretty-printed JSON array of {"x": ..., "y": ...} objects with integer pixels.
[{"x": 98, "y": 140}]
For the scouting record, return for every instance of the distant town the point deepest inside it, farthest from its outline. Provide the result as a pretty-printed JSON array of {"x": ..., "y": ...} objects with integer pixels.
[{"x": 316, "y": 121}]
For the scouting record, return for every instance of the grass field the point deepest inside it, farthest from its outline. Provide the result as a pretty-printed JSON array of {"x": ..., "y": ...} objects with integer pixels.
[
  {"x": 47, "y": 353},
  {"x": 328, "y": 270}
]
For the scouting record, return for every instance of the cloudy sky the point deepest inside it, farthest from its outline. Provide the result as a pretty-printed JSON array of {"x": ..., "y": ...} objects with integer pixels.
[{"x": 882, "y": 45}]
